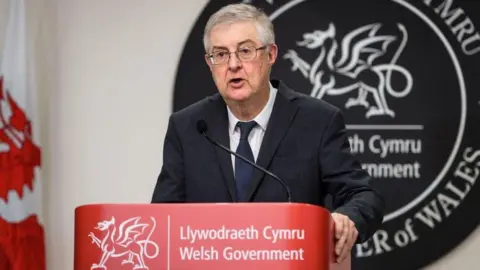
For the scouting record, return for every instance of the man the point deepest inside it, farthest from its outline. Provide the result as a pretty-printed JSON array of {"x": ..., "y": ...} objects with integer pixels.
[{"x": 300, "y": 139}]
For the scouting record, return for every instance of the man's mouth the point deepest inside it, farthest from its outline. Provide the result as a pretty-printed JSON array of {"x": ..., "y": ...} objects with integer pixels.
[{"x": 236, "y": 80}]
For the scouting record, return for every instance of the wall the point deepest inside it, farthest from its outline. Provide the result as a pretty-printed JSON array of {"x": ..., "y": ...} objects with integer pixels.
[
  {"x": 116, "y": 64},
  {"x": 107, "y": 85}
]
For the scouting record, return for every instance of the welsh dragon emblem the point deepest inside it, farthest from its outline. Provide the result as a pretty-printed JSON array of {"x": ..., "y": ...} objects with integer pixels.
[
  {"x": 124, "y": 241},
  {"x": 19, "y": 154},
  {"x": 354, "y": 56}
]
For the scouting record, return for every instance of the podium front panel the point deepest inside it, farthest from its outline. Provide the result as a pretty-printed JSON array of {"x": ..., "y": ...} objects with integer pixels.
[{"x": 203, "y": 236}]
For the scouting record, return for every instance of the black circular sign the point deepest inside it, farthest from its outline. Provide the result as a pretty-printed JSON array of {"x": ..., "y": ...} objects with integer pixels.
[{"x": 404, "y": 75}]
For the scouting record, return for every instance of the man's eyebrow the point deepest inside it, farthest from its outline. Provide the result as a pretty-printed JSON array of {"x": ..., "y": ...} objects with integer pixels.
[
  {"x": 245, "y": 41},
  {"x": 219, "y": 48},
  {"x": 238, "y": 44}
]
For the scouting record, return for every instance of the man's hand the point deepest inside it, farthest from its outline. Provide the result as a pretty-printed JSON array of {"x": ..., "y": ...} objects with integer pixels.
[{"x": 345, "y": 235}]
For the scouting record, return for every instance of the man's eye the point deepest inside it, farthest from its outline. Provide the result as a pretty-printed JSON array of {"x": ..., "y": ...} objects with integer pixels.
[
  {"x": 220, "y": 54},
  {"x": 245, "y": 50}
]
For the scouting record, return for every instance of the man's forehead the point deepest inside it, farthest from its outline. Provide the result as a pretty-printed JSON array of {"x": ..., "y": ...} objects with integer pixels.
[{"x": 234, "y": 34}]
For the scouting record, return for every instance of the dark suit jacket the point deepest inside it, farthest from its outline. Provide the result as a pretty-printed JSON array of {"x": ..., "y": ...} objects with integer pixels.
[{"x": 305, "y": 144}]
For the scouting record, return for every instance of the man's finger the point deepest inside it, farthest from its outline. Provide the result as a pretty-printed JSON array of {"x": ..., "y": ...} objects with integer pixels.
[
  {"x": 343, "y": 236},
  {"x": 339, "y": 225},
  {"x": 354, "y": 232},
  {"x": 355, "y": 236},
  {"x": 347, "y": 247}
]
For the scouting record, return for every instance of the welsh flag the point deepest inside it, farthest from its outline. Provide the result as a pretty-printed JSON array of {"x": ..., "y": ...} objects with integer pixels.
[{"x": 21, "y": 231}]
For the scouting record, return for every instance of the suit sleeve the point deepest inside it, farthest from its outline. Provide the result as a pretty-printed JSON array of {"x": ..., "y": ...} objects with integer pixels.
[
  {"x": 170, "y": 186},
  {"x": 346, "y": 181}
]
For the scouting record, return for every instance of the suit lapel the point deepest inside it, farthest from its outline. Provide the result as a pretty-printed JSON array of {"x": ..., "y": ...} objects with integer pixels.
[
  {"x": 217, "y": 120},
  {"x": 282, "y": 115}
]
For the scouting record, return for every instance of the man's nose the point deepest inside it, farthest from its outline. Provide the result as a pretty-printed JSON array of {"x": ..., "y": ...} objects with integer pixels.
[{"x": 234, "y": 62}]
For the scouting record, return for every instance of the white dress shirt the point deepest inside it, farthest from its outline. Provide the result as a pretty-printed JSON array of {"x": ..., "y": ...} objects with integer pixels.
[{"x": 256, "y": 135}]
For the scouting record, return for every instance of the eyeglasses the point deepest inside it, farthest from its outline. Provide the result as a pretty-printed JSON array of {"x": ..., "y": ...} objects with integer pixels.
[{"x": 244, "y": 53}]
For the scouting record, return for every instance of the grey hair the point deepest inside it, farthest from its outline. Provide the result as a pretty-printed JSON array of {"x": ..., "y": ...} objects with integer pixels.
[{"x": 241, "y": 13}]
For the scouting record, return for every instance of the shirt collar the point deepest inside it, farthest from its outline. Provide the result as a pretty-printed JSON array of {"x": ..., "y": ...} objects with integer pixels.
[{"x": 262, "y": 118}]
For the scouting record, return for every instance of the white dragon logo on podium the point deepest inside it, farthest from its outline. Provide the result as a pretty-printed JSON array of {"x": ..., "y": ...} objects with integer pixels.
[
  {"x": 358, "y": 50},
  {"x": 125, "y": 241}
]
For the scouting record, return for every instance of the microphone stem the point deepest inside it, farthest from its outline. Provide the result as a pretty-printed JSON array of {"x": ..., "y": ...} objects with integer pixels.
[{"x": 253, "y": 164}]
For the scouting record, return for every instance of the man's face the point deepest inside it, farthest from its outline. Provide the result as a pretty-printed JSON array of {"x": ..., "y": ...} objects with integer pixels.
[{"x": 236, "y": 79}]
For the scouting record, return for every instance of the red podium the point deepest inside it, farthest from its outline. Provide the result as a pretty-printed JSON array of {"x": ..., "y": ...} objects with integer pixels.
[{"x": 224, "y": 236}]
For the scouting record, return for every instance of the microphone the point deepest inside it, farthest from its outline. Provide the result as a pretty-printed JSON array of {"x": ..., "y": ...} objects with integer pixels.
[{"x": 202, "y": 128}]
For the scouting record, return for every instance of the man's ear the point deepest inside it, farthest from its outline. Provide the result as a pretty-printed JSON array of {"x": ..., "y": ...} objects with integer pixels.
[
  {"x": 272, "y": 53},
  {"x": 209, "y": 62}
]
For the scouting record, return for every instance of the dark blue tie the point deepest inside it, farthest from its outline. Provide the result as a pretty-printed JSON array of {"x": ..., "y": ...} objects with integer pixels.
[{"x": 243, "y": 170}]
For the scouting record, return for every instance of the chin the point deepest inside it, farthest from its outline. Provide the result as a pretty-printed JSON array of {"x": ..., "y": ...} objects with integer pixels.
[{"x": 238, "y": 95}]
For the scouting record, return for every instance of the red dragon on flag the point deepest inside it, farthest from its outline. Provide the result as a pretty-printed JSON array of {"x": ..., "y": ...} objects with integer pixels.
[
  {"x": 22, "y": 244},
  {"x": 21, "y": 241},
  {"x": 18, "y": 154}
]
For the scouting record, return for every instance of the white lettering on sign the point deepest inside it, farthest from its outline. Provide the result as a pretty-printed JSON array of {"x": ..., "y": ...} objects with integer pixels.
[
  {"x": 384, "y": 147},
  {"x": 199, "y": 254},
  {"x": 383, "y": 242},
  {"x": 232, "y": 254},
  {"x": 460, "y": 24},
  {"x": 465, "y": 175},
  {"x": 282, "y": 234},
  {"x": 393, "y": 170},
  {"x": 387, "y": 147},
  {"x": 272, "y": 234},
  {"x": 208, "y": 252},
  {"x": 222, "y": 233}
]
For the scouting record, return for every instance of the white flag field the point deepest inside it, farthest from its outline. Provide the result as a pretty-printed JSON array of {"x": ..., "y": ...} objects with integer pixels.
[{"x": 22, "y": 244}]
